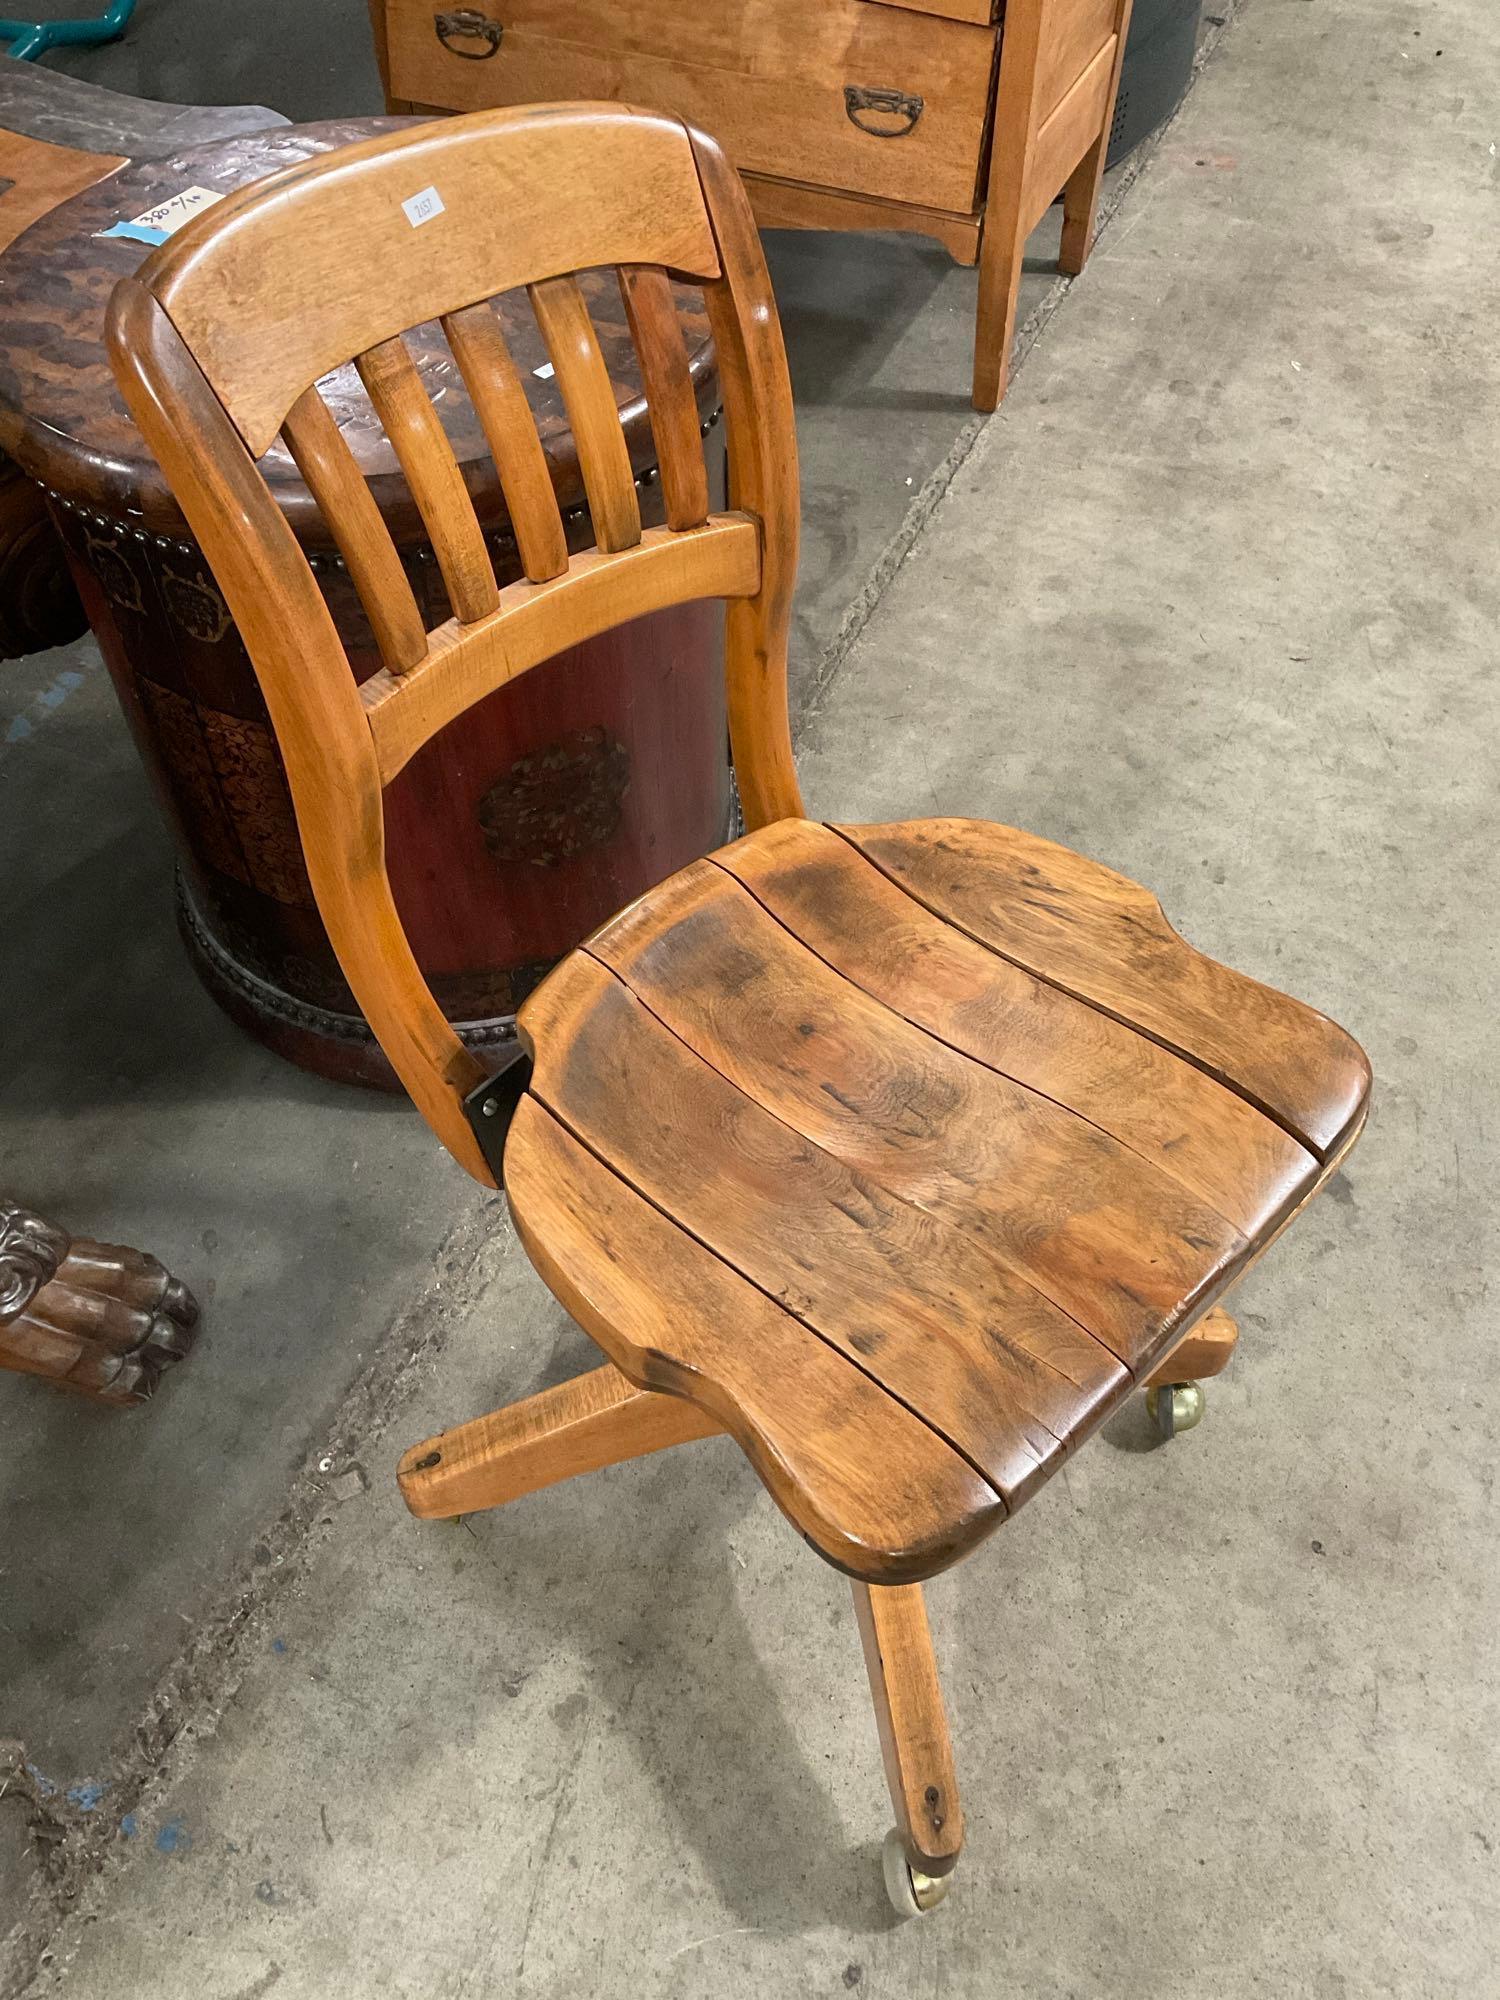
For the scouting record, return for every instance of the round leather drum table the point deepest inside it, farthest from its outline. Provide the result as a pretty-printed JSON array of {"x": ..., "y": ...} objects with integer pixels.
[{"x": 515, "y": 832}]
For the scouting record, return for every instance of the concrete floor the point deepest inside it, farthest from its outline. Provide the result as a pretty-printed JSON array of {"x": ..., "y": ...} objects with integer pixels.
[{"x": 1214, "y": 599}]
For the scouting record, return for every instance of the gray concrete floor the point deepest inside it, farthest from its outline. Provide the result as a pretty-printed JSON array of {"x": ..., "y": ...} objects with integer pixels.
[{"x": 1214, "y": 599}]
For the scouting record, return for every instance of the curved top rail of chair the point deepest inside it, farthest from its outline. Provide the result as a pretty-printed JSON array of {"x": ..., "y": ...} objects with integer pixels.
[{"x": 518, "y": 198}]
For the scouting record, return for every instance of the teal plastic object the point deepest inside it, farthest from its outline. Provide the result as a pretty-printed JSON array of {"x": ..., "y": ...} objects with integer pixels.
[{"x": 30, "y": 39}]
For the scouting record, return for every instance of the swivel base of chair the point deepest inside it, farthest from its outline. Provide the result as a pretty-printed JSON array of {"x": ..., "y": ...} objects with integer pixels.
[{"x": 602, "y": 1419}]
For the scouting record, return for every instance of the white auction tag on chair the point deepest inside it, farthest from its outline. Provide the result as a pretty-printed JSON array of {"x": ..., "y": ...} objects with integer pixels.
[{"x": 422, "y": 207}]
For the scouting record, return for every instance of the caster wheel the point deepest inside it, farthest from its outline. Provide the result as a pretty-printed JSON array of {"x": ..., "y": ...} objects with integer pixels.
[
  {"x": 1175, "y": 1408},
  {"x": 911, "y": 1892}
]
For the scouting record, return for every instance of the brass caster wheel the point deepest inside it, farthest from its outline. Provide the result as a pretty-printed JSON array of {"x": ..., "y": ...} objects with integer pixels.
[
  {"x": 1175, "y": 1407},
  {"x": 911, "y": 1892}
]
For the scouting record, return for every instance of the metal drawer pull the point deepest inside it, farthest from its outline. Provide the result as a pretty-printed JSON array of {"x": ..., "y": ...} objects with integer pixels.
[
  {"x": 468, "y": 24},
  {"x": 862, "y": 104}
]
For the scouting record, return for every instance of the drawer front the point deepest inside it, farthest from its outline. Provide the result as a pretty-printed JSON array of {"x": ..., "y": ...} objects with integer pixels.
[{"x": 841, "y": 93}]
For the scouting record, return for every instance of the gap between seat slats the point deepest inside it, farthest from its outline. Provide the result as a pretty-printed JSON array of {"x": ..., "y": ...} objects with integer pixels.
[{"x": 432, "y": 472}]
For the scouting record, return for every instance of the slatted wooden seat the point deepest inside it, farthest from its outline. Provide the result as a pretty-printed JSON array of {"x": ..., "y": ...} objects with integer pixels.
[
  {"x": 958, "y": 1132},
  {"x": 899, "y": 1153}
]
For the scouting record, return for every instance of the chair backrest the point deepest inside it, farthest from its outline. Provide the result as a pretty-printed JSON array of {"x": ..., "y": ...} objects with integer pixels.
[{"x": 219, "y": 342}]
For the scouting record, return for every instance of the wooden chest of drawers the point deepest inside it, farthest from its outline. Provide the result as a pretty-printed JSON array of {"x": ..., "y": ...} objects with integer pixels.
[{"x": 932, "y": 116}]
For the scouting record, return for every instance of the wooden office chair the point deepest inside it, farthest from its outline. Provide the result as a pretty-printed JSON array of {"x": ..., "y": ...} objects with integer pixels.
[{"x": 900, "y": 1153}]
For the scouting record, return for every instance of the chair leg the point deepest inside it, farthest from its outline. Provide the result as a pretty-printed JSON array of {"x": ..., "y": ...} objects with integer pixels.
[
  {"x": 1203, "y": 1353},
  {"x": 913, "y": 1738},
  {"x": 1080, "y": 205},
  {"x": 595, "y": 1420}
]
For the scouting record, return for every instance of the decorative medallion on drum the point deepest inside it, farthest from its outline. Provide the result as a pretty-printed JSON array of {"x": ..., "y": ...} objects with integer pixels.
[
  {"x": 559, "y": 801},
  {"x": 120, "y": 583},
  {"x": 196, "y": 605}
]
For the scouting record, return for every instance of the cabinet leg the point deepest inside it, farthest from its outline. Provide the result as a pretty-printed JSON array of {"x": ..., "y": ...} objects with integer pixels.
[
  {"x": 1001, "y": 248},
  {"x": 1080, "y": 206}
]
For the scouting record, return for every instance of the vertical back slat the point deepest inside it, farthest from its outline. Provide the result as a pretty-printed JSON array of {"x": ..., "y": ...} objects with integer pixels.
[
  {"x": 421, "y": 444},
  {"x": 495, "y": 389},
  {"x": 593, "y": 413},
  {"x": 322, "y": 455},
  {"x": 657, "y": 333}
]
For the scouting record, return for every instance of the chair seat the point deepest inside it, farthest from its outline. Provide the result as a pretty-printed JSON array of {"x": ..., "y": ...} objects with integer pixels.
[{"x": 906, "y": 1151}]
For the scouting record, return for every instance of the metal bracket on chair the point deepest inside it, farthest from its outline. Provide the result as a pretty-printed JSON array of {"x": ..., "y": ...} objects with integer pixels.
[
  {"x": 862, "y": 103},
  {"x": 491, "y": 1105},
  {"x": 468, "y": 24}
]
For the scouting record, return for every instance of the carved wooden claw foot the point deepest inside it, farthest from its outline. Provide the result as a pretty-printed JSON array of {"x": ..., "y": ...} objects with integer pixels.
[{"x": 100, "y": 1318}]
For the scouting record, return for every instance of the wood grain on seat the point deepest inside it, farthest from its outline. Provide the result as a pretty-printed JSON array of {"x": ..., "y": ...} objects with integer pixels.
[
  {"x": 1064, "y": 1208},
  {"x": 1105, "y": 938},
  {"x": 965, "y": 1188},
  {"x": 1003, "y": 1374},
  {"x": 870, "y": 1483},
  {"x": 1193, "y": 1128}
]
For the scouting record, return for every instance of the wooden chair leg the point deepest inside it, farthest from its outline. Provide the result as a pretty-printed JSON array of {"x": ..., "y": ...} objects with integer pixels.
[
  {"x": 913, "y": 1728},
  {"x": 1080, "y": 206},
  {"x": 595, "y": 1420},
  {"x": 1204, "y": 1352}
]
